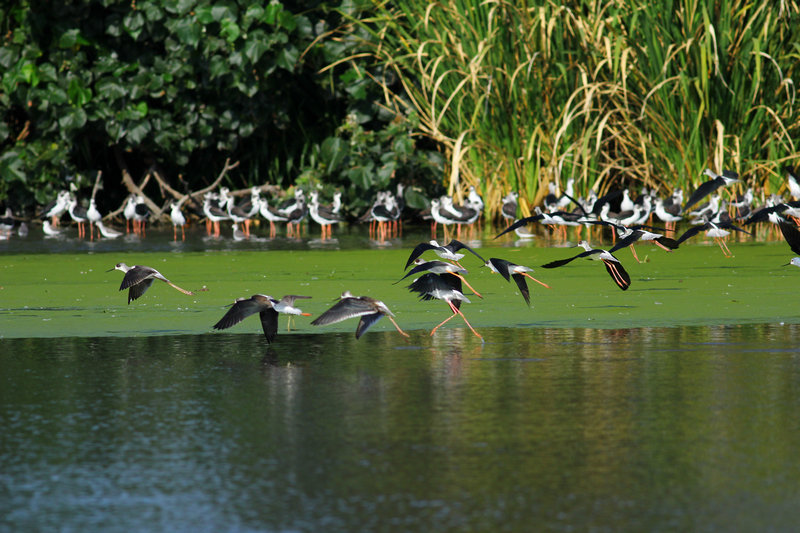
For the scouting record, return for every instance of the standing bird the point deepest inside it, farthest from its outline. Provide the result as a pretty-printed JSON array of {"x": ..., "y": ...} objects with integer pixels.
[
  {"x": 56, "y": 208},
  {"x": 612, "y": 264},
  {"x": 94, "y": 217},
  {"x": 728, "y": 177},
  {"x": 507, "y": 269},
  {"x": 369, "y": 309},
  {"x": 445, "y": 287},
  {"x": 78, "y": 215},
  {"x": 138, "y": 279},
  {"x": 508, "y": 208},
  {"x": 177, "y": 218},
  {"x": 268, "y": 309}
]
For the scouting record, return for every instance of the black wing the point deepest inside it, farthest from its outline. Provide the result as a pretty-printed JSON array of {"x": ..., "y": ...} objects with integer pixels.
[
  {"x": 416, "y": 270},
  {"x": 269, "y": 323},
  {"x": 519, "y": 223},
  {"x": 458, "y": 245},
  {"x": 626, "y": 241},
  {"x": 241, "y": 309},
  {"x": 136, "y": 275},
  {"x": 667, "y": 242},
  {"x": 366, "y": 322},
  {"x": 428, "y": 283},
  {"x": 791, "y": 234},
  {"x": 342, "y": 310},
  {"x": 501, "y": 265},
  {"x": 523, "y": 287},
  {"x": 704, "y": 190},
  {"x": 691, "y": 232},
  {"x": 562, "y": 262},
  {"x": 618, "y": 274},
  {"x": 418, "y": 251},
  {"x": 135, "y": 291}
]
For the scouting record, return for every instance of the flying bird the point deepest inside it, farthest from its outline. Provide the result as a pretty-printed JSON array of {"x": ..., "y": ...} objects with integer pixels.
[
  {"x": 448, "y": 252},
  {"x": 612, "y": 264},
  {"x": 138, "y": 279},
  {"x": 368, "y": 309},
  {"x": 728, "y": 177},
  {"x": 268, "y": 309},
  {"x": 445, "y": 287},
  {"x": 509, "y": 270}
]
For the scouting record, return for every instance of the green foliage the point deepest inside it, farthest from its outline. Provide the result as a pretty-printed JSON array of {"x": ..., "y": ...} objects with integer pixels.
[
  {"x": 522, "y": 94},
  {"x": 182, "y": 84}
]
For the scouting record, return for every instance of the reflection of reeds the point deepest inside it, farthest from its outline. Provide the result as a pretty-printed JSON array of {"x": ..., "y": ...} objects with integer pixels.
[{"x": 607, "y": 93}]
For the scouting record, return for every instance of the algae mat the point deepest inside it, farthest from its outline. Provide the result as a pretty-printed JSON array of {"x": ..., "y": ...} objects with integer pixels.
[{"x": 65, "y": 295}]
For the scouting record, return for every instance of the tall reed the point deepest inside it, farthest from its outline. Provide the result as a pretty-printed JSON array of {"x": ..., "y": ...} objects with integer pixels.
[{"x": 611, "y": 93}]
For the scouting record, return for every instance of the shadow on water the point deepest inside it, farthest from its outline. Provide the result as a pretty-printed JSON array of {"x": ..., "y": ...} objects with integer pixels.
[{"x": 538, "y": 429}]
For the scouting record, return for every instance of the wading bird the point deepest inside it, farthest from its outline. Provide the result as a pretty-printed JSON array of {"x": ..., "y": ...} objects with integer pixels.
[
  {"x": 369, "y": 309},
  {"x": 509, "y": 270},
  {"x": 612, "y": 264},
  {"x": 448, "y": 252},
  {"x": 138, "y": 279},
  {"x": 268, "y": 309},
  {"x": 445, "y": 287}
]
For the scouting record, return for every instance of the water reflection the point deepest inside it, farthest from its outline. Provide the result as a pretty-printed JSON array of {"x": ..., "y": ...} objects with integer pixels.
[{"x": 552, "y": 429}]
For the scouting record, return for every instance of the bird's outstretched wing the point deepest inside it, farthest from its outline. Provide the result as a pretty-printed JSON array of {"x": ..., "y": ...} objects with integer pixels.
[
  {"x": 366, "y": 322},
  {"x": 791, "y": 234},
  {"x": 418, "y": 251},
  {"x": 522, "y": 285},
  {"x": 241, "y": 309},
  {"x": 342, "y": 310},
  {"x": 618, "y": 274},
  {"x": 269, "y": 323},
  {"x": 456, "y": 245},
  {"x": 562, "y": 262},
  {"x": 519, "y": 223}
]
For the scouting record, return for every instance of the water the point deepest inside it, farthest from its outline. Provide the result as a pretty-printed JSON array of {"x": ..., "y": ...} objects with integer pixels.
[{"x": 647, "y": 429}]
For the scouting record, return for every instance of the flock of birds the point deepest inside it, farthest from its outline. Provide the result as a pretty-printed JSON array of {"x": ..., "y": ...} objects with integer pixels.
[
  {"x": 444, "y": 278},
  {"x": 708, "y": 210},
  {"x": 220, "y": 207}
]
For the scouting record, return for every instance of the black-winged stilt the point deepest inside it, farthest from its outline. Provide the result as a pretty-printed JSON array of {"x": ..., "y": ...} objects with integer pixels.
[
  {"x": 612, "y": 264},
  {"x": 138, "y": 279},
  {"x": 369, "y": 309},
  {"x": 448, "y": 252},
  {"x": 178, "y": 219},
  {"x": 726, "y": 178},
  {"x": 716, "y": 230},
  {"x": 445, "y": 287},
  {"x": 268, "y": 309},
  {"x": 509, "y": 270},
  {"x": 439, "y": 267}
]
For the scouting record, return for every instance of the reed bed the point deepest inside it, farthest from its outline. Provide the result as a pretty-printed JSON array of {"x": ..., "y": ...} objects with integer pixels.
[{"x": 611, "y": 93}]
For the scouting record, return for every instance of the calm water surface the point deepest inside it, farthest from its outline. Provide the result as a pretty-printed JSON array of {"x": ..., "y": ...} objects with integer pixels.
[{"x": 539, "y": 429}]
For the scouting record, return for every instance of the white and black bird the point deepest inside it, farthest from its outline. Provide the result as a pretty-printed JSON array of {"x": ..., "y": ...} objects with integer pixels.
[
  {"x": 509, "y": 270},
  {"x": 369, "y": 310},
  {"x": 448, "y": 252},
  {"x": 446, "y": 287},
  {"x": 612, "y": 264},
  {"x": 716, "y": 229},
  {"x": 138, "y": 279},
  {"x": 268, "y": 309},
  {"x": 727, "y": 177}
]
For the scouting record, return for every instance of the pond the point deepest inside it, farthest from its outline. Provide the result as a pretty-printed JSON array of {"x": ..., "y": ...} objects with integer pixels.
[{"x": 670, "y": 406}]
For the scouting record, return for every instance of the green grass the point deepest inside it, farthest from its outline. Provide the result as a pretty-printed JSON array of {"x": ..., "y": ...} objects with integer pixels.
[{"x": 64, "y": 295}]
